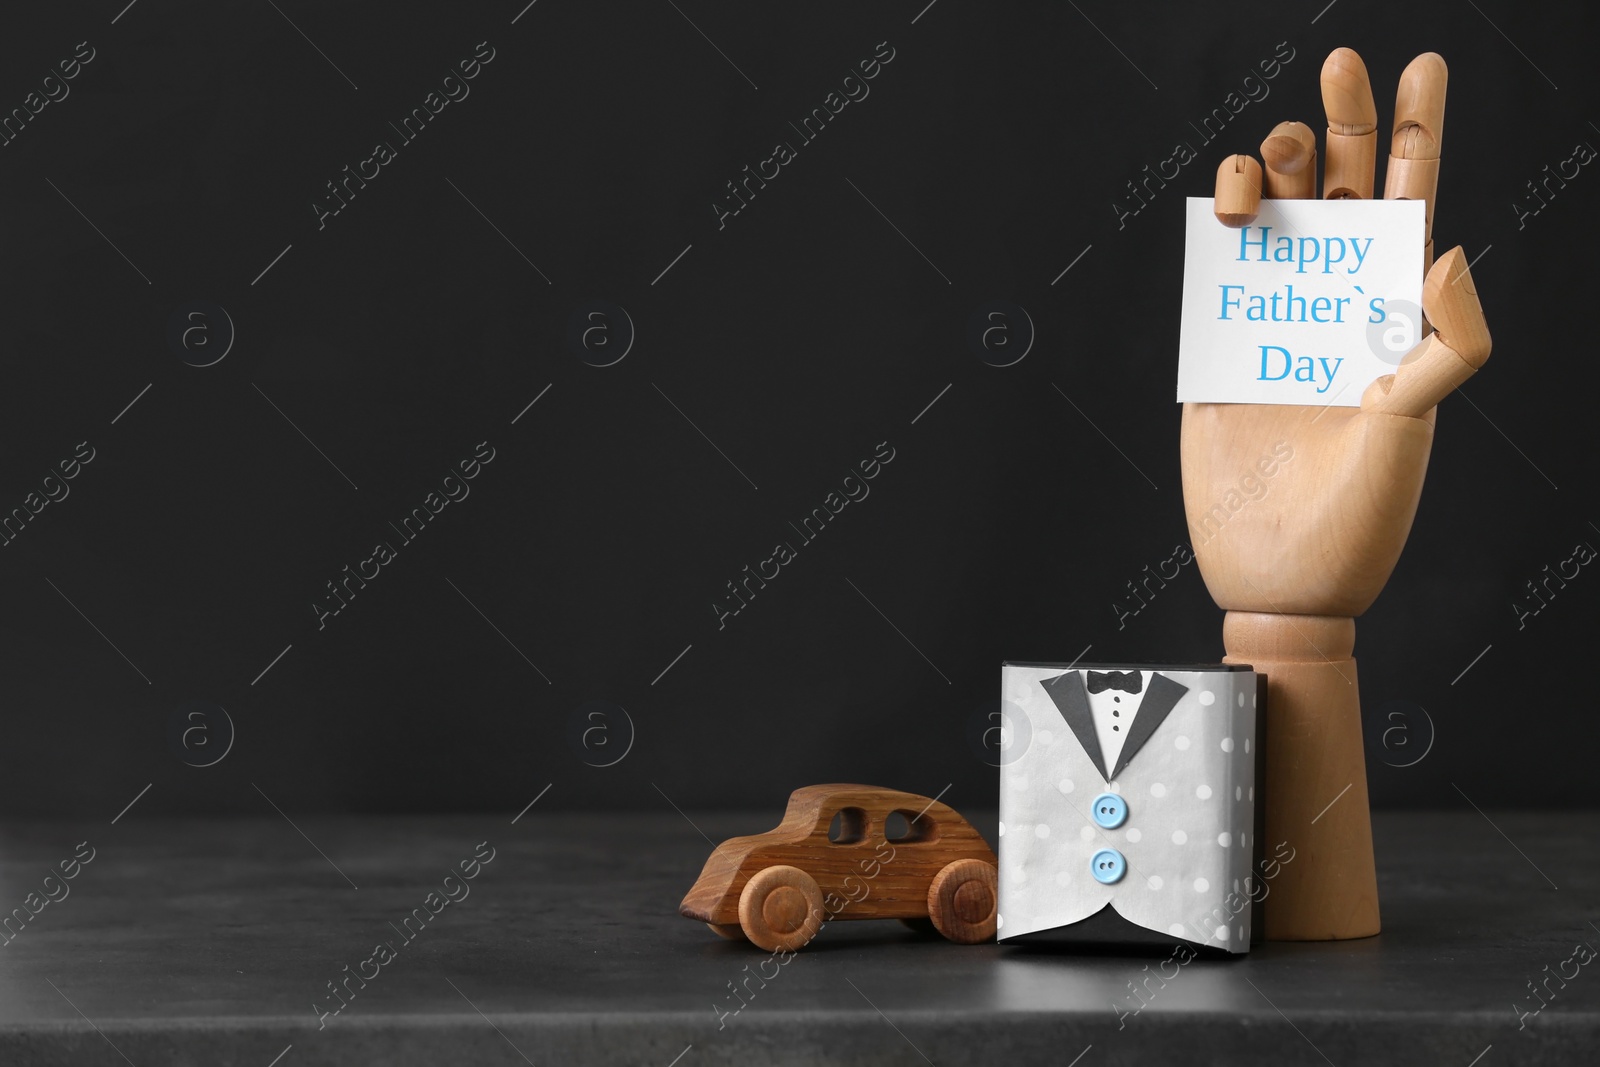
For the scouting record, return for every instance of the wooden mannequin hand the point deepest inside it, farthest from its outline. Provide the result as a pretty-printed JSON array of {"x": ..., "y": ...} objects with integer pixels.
[
  {"x": 1298, "y": 514},
  {"x": 1304, "y": 510}
]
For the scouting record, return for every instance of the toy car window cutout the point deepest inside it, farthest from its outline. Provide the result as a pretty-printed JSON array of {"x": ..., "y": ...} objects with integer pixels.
[
  {"x": 849, "y": 826},
  {"x": 909, "y": 827}
]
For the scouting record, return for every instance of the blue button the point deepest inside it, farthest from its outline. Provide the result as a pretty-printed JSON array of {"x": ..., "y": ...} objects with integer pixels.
[
  {"x": 1109, "y": 811},
  {"x": 1108, "y": 866}
]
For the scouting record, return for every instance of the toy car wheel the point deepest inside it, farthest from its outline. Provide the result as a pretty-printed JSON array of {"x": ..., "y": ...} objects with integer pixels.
[
  {"x": 780, "y": 908},
  {"x": 921, "y": 924},
  {"x": 962, "y": 901},
  {"x": 730, "y": 931}
]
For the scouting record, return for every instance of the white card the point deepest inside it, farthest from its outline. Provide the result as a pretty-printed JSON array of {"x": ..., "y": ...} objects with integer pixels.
[{"x": 1307, "y": 305}]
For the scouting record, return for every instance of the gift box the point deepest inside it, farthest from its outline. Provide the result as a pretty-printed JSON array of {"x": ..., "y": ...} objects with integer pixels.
[{"x": 1130, "y": 806}]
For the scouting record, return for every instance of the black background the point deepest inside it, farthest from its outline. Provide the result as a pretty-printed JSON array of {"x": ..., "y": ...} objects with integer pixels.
[{"x": 796, "y": 338}]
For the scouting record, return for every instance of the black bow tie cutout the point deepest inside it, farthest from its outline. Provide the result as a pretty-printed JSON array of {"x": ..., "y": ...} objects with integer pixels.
[{"x": 1127, "y": 681}]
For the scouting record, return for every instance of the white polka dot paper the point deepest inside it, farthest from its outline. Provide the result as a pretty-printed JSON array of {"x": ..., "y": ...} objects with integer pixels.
[{"x": 1142, "y": 802}]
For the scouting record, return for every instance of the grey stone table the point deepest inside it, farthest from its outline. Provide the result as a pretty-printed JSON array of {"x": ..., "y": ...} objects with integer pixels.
[{"x": 213, "y": 942}]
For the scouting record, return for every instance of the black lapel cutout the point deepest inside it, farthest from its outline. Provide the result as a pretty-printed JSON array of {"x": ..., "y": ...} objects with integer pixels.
[
  {"x": 1159, "y": 698},
  {"x": 1072, "y": 700}
]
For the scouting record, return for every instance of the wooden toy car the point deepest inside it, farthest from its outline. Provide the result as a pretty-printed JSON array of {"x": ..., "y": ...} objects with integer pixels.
[{"x": 831, "y": 858}]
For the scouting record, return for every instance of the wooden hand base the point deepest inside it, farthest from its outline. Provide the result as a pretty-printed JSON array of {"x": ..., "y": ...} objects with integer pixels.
[{"x": 1316, "y": 775}]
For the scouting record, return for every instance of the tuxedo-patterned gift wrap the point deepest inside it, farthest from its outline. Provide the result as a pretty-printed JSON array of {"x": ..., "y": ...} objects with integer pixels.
[{"x": 1131, "y": 813}]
